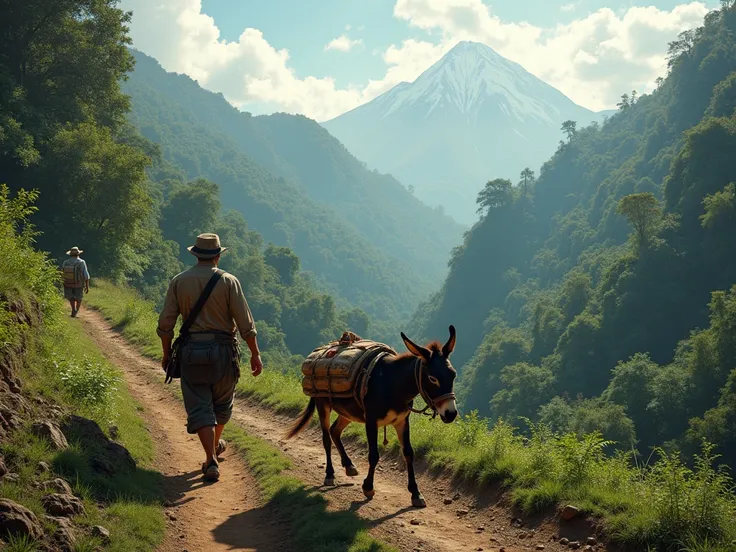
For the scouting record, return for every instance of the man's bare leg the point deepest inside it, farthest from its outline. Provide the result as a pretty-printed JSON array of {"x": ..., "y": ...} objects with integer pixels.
[
  {"x": 218, "y": 434},
  {"x": 207, "y": 438}
]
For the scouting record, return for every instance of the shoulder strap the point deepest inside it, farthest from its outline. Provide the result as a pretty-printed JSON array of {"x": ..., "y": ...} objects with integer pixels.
[{"x": 201, "y": 301}]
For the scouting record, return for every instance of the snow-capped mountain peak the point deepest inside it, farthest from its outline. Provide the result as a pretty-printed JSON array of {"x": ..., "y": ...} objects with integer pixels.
[
  {"x": 471, "y": 116},
  {"x": 468, "y": 76}
]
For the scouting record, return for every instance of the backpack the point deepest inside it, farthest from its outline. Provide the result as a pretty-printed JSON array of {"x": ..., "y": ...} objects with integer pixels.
[{"x": 72, "y": 274}]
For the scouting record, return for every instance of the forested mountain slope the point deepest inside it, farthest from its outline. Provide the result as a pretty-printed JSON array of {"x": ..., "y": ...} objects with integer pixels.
[
  {"x": 580, "y": 299},
  {"x": 359, "y": 230},
  {"x": 105, "y": 188}
]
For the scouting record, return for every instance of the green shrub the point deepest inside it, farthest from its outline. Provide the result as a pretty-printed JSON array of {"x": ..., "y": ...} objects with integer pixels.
[{"x": 90, "y": 385}]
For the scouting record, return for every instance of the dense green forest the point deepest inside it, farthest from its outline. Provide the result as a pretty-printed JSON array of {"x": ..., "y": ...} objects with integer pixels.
[
  {"x": 600, "y": 295},
  {"x": 362, "y": 234},
  {"x": 64, "y": 132}
]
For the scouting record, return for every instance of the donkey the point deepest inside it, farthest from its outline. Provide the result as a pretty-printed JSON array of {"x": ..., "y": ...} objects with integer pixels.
[{"x": 394, "y": 384}]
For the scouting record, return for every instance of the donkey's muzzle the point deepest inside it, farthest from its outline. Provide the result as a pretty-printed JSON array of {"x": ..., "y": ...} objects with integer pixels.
[
  {"x": 449, "y": 416},
  {"x": 447, "y": 410}
]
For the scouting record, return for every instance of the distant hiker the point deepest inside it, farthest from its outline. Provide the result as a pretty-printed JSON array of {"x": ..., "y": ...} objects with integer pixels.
[
  {"x": 209, "y": 354},
  {"x": 76, "y": 278}
]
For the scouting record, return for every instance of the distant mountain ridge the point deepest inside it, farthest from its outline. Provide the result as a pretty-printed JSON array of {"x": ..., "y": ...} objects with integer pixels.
[
  {"x": 362, "y": 234},
  {"x": 471, "y": 117}
]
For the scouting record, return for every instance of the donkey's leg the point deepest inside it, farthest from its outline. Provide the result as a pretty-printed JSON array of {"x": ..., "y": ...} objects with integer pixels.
[
  {"x": 371, "y": 432},
  {"x": 323, "y": 410},
  {"x": 402, "y": 431},
  {"x": 336, "y": 430}
]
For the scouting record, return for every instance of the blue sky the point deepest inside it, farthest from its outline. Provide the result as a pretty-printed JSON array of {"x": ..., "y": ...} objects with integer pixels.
[
  {"x": 311, "y": 25},
  {"x": 591, "y": 50}
]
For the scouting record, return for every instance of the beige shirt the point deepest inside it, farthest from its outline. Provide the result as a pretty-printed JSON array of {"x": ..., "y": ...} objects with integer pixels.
[{"x": 225, "y": 309}]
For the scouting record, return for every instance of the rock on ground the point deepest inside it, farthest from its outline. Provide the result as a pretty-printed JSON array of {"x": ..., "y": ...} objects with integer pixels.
[
  {"x": 18, "y": 520},
  {"x": 62, "y": 505},
  {"x": 569, "y": 512},
  {"x": 57, "y": 485},
  {"x": 101, "y": 533},
  {"x": 108, "y": 457},
  {"x": 49, "y": 430}
]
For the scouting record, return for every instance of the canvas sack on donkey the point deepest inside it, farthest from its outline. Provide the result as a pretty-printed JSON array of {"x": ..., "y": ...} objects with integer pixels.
[{"x": 333, "y": 370}]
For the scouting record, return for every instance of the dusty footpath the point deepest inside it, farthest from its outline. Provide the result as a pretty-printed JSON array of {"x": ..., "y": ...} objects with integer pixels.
[{"x": 229, "y": 514}]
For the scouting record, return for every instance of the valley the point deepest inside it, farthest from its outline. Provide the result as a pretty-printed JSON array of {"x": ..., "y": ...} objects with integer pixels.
[{"x": 585, "y": 258}]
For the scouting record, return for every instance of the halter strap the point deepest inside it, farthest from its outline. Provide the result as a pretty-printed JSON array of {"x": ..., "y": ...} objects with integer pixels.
[{"x": 430, "y": 402}]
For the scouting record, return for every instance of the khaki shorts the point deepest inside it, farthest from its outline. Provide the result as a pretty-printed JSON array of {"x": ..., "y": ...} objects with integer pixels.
[
  {"x": 74, "y": 293},
  {"x": 207, "y": 405}
]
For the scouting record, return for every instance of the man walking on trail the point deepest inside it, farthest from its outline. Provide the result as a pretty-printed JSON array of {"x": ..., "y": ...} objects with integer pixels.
[
  {"x": 76, "y": 278},
  {"x": 209, "y": 355}
]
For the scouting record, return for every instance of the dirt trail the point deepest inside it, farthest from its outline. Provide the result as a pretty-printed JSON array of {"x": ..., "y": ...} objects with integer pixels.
[
  {"x": 201, "y": 517},
  {"x": 472, "y": 521}
]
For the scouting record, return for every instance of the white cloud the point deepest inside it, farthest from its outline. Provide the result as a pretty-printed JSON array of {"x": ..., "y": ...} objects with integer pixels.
[
  {"x": 343, "y": 43},
  {"x": 592, "y": 59},
  {"x": 568, "y": 7}
]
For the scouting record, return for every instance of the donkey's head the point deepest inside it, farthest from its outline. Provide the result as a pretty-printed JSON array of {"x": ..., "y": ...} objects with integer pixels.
[{"x": 437, "y": 376}]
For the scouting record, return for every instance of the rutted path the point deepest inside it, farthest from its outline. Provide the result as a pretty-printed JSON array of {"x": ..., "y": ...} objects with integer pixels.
[
  {"x": 201, "y": 517},
  {"x": 473, "y": 521}
]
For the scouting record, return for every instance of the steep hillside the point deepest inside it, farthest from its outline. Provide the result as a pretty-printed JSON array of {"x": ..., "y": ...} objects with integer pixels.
[
  {"x": 471, "y": 115},
  {"x": 342, "y": 258},
  {"x": 308, "y": 158},
  {"x": 595, "y": 282}
]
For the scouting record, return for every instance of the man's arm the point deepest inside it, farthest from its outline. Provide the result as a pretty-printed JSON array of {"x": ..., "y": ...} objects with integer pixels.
[
  {"x": 166, "y": 324},
  {"x": 85, "y": 275},
  {"x": 240, "y": 311}
]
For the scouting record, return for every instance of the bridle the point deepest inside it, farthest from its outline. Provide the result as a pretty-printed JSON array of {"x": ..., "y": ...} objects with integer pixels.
[{"x": 431, "y": 403}]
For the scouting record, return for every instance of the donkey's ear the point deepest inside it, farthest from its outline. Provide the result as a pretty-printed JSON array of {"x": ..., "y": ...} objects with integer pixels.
[
  {"x": 416, "y": 350},
  {"x": 450, "y": 345}
]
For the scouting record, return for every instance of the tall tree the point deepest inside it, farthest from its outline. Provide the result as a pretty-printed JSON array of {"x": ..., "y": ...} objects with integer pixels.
[
  {"x": 643, "y": 212},
  {"x": 527, "y": 177},
  {"x": 496, "y": 193},
  {"x": 569, "y": 128}
]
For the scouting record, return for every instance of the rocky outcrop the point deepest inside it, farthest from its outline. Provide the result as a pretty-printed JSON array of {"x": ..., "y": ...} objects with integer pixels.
[
  {"x": 18, "y": 520},
  {"x": 107, "y": 457},
  {"x": 51, "y": 432},
  {"x": 64, "y": 537},
  {"x": 62, "y": 505},
  {"x": 57, "y": 485}
]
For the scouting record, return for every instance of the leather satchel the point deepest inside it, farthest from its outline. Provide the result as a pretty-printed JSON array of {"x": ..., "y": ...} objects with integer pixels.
[{"x": 173, "y": 368}]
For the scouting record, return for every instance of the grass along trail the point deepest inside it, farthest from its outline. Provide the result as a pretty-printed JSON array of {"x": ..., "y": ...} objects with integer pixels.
[
  {"x": 472, "y": 521},
  {"x": 214, "y": 517}
]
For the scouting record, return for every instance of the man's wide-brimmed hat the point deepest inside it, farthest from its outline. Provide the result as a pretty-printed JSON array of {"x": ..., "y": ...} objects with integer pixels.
[
  {"x": 74, "y": 251},
  {"x": 207, "y": 246}
]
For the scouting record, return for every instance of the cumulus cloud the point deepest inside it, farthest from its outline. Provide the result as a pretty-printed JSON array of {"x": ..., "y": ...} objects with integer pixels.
[
  {"x": 592, "y": 59},
  {"x": 568, "y": 7},
  {"x": 343, "y": 43}
]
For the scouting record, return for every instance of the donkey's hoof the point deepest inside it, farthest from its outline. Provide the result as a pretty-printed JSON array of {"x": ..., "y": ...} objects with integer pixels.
[
  {"x": 329, "y": 482},
  {"x": 369, "y": 493},
  {"x": 351, "y": 470},
  {"x": 418, "y": 502}
]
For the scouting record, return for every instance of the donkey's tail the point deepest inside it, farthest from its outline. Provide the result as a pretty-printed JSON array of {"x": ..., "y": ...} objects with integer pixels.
[{"x": 303, "y": 420}]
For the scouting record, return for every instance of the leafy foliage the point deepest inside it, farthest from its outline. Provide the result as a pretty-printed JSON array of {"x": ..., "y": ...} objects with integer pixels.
[{"x": 562, "y": 321}]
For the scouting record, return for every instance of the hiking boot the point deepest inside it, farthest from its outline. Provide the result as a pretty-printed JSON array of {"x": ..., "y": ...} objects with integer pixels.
[
  {"x": 221, "y": 447},
  {"x": 212, "y": 472}
]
